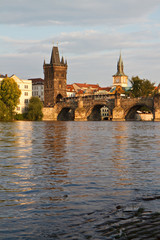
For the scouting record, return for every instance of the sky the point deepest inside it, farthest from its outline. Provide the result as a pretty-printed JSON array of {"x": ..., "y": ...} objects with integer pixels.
[{"x": 90, "y": 35}]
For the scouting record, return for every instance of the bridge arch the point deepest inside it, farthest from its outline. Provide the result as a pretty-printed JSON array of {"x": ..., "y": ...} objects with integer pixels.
[
  {"x": 139, "y": 112},
  {"x": 94, "y": 112},
  {"x": 66, "y": 114}
]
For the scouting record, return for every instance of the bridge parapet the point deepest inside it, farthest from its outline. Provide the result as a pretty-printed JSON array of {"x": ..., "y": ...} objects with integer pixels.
[{"x": 128, "y": 103}]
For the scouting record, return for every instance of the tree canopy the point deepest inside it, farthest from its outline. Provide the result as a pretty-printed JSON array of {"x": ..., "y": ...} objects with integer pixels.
[
  {"x": 35, "y": 109},
  {"x": 141, "y": 87},
  {"x": 4, "y": 112},
  {"x": 9, "y": 94}
]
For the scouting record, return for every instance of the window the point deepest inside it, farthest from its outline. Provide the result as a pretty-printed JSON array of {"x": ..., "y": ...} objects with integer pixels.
[
  {"x": 60, "y": 84},
  {"x": 18, "y": 108},
  {"x": 25, "y": 93},
  {"x": 26, "y": 86},
  {"x": 26, "y": 100}
]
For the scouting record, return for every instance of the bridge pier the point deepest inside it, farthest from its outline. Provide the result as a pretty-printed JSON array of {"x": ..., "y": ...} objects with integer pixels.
[
  {"x": 80, "y": 112},
  {"x": 118, "y": 112},
  {"x": 157, "y": 108},
  {"x": 157, "y": 115},
  {"x": 49, "y": 114}
]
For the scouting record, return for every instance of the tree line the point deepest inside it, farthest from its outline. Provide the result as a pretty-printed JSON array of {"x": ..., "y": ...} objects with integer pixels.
[
  {"x": 141, "y": 88},
  {"x": 9, "y": 99}
]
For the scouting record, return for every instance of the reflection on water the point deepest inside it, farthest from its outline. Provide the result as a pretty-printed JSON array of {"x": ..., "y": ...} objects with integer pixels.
[{"x": 54, "y": 174}]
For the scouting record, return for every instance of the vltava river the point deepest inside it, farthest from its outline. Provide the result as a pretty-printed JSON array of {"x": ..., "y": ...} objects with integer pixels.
[{"x": 59, "y": 180}]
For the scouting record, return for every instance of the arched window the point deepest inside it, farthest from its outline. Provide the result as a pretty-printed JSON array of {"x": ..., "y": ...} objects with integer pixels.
[{"x": 59, "y": 98}]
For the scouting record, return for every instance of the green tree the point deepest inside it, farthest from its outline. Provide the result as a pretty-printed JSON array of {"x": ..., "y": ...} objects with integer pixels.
[
  {"x": 141, "y": 87},
  {"x": 9, "y": 94},
  {"x": 4, "y": 112},
  {"x": 35, "y": 109}
]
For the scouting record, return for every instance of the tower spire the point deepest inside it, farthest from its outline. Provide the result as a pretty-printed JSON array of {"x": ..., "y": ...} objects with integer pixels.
[{"x": 120, "y": 66}]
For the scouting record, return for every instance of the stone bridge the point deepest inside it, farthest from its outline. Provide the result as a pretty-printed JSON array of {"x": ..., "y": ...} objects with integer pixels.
[{"x": 87, "y": 108}]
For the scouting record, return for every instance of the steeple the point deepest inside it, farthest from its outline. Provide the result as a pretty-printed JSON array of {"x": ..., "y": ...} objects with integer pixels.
[{"x": 120, "y": 67}]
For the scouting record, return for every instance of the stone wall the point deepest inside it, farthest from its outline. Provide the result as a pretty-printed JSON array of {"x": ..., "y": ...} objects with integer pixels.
[{"x": 49, "y": 114}]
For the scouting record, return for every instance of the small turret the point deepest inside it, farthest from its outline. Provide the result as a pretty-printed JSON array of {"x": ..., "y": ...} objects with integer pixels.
[{"x": 62, "y": 60}]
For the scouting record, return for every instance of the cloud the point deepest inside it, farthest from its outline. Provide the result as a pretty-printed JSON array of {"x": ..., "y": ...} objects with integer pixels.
[
  {"x": 90, "y": 33},
  {"x": 92, "y": 55},
  {"x": 74, "y": 12}
]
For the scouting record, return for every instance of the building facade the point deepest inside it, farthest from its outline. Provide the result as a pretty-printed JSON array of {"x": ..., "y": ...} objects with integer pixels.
[
  {"x": 38, "y": 88},
  {"x": 26, "y": 93},
  {"x": 55, "y": 77},
  {"x": 70, "y": 91},
  {"x": 120, "y": 78}
]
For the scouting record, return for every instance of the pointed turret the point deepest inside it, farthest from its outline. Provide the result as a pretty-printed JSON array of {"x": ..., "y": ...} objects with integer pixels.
[{"x": 62, "y": 60}]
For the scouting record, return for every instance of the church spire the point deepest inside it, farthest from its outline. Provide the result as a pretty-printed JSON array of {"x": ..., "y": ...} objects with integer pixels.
[{"x": 120, "y": 66}]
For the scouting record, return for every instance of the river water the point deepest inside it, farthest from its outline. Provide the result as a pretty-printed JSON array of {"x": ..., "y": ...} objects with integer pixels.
[{"x": 59, "y": 180}]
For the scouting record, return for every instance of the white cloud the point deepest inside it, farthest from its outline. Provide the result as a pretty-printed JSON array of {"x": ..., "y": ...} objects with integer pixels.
[
  {"x": 74, "y": 12},
  {"x": 90, "y": 33}
]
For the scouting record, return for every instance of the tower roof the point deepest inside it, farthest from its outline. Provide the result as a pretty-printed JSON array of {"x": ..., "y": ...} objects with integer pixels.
[
  {"x": 120, "y": 67},
  {"x": 55, "y": 56}
]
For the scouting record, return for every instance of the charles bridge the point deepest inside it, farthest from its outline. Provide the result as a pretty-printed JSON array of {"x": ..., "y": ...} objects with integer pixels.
[{"x": 87, "y": 108}]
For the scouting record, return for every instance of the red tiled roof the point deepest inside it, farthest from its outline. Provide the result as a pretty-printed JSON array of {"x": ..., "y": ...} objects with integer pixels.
[
  {"x": 85, "y": 85},
  {"x": 80, "y": 92},
  {"x": 70, "y": 88}
]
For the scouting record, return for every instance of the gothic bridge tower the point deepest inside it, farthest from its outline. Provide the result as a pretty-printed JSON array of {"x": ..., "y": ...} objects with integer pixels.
[
  {"x": 55, "y": 75},
  {"x": 120, "y": 79}
]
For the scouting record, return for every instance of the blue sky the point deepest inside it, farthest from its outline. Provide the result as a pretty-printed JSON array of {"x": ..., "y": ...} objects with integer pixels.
[{"x": 90, "y": 35}]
